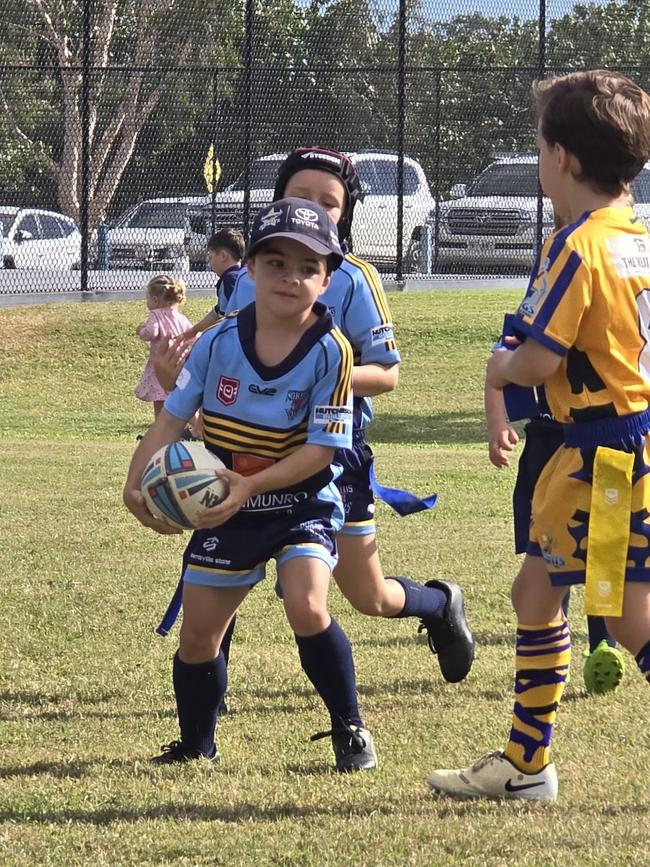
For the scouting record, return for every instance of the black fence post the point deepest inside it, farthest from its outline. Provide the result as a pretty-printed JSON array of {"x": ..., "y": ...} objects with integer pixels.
[
  {"x": 436, "y": 176},
  {"x": 85, "y": 142},
  {"x": 248, "y": 110},
  {"x": 401, "y": 123},
  {"x": 541, "y": 72}
]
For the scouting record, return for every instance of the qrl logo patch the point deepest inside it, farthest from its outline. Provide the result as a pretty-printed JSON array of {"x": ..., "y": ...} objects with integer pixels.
[{"x": 227, "y": 390}]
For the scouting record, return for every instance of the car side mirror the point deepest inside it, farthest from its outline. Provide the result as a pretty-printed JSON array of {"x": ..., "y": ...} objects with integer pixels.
[
  {"x": 23, "y": 235},
  {"x": 458, "y": 191}
]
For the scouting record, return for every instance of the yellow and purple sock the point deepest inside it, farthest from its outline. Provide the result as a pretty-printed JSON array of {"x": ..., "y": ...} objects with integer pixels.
[{"x": 543, "y": 657}]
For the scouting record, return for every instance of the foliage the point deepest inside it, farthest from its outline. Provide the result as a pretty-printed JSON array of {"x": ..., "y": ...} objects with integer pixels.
[{"x": 323, "y": 71}]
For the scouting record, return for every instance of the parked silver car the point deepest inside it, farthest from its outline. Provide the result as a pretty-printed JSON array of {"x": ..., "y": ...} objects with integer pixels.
[
  {"x": 492, "y": 224},
  {"x": 37, "y": 240},
  {"x": 155, "y": 235}
]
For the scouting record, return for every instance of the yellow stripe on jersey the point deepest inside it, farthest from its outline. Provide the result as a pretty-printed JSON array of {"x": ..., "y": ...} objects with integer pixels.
[
  {"x": 234, "y": 436},
  {"x": 344, "y": 385},
  {"x": 237, "y": 426},
  {"x": 377, "y": 292}
]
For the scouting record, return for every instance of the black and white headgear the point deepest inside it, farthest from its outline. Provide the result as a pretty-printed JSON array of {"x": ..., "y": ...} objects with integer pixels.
[{"x": 325, "y": 160}]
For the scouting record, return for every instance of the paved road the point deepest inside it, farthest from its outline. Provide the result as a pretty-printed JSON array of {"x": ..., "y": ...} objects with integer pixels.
[{"x": 43, "y": 287}]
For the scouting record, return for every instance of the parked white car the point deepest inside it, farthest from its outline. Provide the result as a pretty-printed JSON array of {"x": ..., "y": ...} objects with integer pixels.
[
  {"x": 155, "y": 235},
  {"x": 38, "y": 240},
  {"x": 492, "y": 224},
  {"x": 374, "y": 233}
]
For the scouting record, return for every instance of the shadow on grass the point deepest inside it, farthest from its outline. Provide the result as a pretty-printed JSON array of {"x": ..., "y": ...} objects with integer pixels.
[
  {"x": 74, "y": 770},
  {"x": 36, "y": 698},
  {"x": 71, "y": 715},
  {"x": 444, "y": 428},
  {"x": 244, "y": 812}
]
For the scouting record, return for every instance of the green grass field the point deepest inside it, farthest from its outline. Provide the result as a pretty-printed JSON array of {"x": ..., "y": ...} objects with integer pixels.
[{"x": 85, "y": 685}]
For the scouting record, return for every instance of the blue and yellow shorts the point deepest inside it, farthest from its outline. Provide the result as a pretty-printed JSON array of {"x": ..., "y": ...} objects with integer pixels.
[{"x": 562, "y": 509}]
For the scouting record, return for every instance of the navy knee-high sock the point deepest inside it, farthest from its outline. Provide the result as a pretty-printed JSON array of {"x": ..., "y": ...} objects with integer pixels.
[
  {"x": 598, "y": 632},
  {"x": 327, "y": 661},
  {"x": 421, "y": 601},
  {"x": 199, "y": 689}
]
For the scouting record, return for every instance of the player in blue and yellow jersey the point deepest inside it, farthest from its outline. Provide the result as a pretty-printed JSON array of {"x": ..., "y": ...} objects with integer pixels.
[
  {"x": 604, "y": 665},
  {"x": 584, "y": 324},
  {"x": 274, "y": 385},
  {"x": 356, "y": 300}
]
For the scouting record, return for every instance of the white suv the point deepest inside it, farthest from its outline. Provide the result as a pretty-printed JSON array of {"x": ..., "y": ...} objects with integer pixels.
[
  {"x": 374, "y": 232},
  {"x": 155, "y": 235},
  {"x": 493, "y": 222},
  {"x": 38, "y": 240}
]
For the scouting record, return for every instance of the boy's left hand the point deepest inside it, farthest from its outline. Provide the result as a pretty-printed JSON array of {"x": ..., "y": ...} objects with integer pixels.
[{"x": 240, "y": 490}]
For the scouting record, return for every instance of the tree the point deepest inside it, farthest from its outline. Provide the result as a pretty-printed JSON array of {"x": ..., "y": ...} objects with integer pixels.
[{"x": 141, "y": 35}]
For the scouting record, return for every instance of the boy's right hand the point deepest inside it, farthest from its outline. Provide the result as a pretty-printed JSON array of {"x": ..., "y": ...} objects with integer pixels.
[
  {"x": 168, "y": 358},
  {"x": 134, "y": 502},
  {"x": 500, "y": 440}
]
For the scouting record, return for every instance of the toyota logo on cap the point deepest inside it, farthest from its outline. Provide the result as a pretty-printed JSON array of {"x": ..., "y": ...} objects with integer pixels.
[{"x": 307, "y": 214}]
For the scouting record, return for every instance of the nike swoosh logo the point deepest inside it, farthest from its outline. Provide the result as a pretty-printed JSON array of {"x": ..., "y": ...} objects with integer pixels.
[{"x": 511, "y": 788}]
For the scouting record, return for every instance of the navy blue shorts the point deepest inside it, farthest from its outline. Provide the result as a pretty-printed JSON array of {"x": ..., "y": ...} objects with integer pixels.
[
  {"x": 354, "y": 487},
  {"x": 543, "y": 438},
  {"x": 236, "y": 554}
]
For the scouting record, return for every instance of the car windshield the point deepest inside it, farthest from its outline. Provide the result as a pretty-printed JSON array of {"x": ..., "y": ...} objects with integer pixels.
[
  {"x": 641, "y": 187},
  {"x": 262, "y": 176},
  {"x": 155, "y": 215},
  {"x": 506, "y": 179},
  {"x": 7, "y": 218}
]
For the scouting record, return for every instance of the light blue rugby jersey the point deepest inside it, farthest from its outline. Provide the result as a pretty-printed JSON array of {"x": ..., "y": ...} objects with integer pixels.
[
  {"x": 254, "y": 415},
  {"x": 357, "y": 302}
]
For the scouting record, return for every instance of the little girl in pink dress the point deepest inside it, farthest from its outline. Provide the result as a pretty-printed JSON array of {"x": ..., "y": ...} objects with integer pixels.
[{"x": 164, "y": 296}]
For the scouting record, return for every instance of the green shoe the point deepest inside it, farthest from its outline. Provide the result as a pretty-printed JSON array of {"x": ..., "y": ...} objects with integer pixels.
[{"x": 603, "y": 670}]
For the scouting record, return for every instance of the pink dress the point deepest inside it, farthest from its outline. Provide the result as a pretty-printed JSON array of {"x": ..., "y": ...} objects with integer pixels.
[{"x": 163, "y": 322}]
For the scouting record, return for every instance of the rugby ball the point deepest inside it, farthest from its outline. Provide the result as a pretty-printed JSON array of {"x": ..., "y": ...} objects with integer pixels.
[{"x": 181, "y": 480}]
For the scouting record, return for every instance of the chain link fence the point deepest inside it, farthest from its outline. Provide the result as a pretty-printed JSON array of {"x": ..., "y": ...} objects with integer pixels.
[{"x": 131, "y": 131}]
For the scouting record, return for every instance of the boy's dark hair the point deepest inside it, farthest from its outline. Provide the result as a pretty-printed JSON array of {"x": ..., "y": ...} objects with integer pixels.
[
  {"x": 230, "y": 240},
  {"x": 603, "y": 119}
]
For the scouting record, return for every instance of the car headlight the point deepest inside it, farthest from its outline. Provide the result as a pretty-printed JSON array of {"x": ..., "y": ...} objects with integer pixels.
[
  {"x": 443, "y": 212},
  {"x": 142, "y": 251},
  {"x": 174, "y": 251}
]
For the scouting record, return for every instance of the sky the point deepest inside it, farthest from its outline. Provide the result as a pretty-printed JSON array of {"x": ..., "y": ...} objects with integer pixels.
[{"x": 443, "y": 9}]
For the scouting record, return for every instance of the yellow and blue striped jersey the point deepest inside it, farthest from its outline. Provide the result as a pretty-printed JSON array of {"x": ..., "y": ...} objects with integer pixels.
[
  {"x": 357, "y": 302},
  {"x": 590, "y": 302},
  {"x": 254, "y": 415}
]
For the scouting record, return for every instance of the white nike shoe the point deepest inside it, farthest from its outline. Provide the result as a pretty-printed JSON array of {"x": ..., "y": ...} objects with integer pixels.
[{"x": 494, "y": 776}]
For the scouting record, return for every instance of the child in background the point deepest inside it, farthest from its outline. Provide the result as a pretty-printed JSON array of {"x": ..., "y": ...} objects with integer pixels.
[
  {"x": 584, "y": 331},
  {"x": 164, "y": 295},
  {"x": 282, "y": 501},
  {"x": 225, "y": 253},
  {"x": 604, "y": 665}
]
